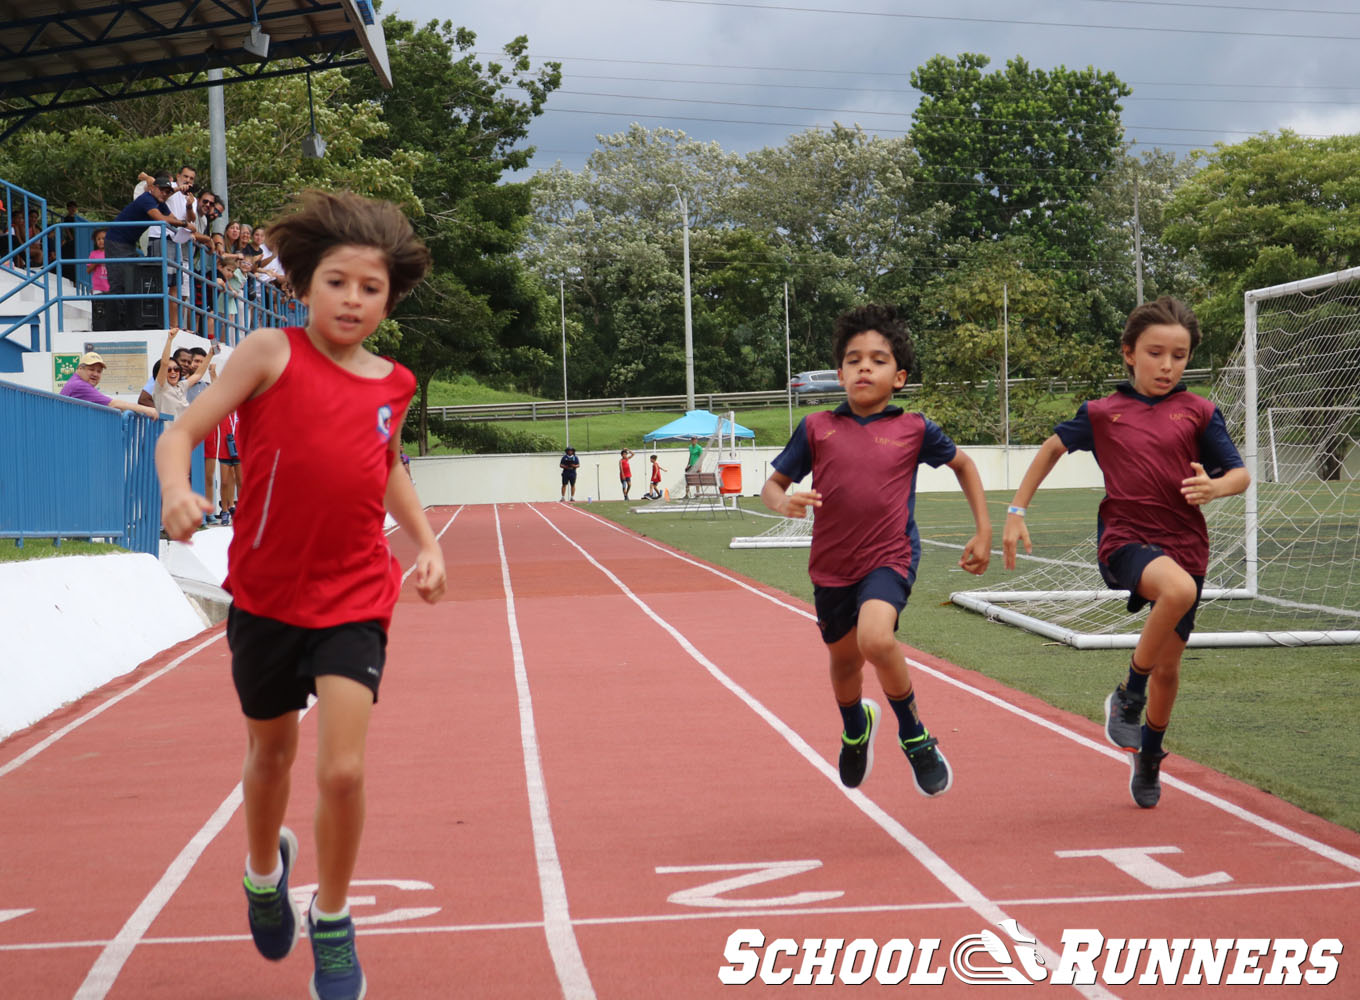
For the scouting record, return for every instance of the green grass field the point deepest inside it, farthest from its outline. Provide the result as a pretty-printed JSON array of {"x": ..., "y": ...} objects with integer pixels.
[
  {"x": 46, "y": 548},
  {"x": 1280, "y": 719}
]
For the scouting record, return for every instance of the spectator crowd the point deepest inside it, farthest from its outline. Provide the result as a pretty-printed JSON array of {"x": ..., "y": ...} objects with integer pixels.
[{"x": 219, "y": 275}]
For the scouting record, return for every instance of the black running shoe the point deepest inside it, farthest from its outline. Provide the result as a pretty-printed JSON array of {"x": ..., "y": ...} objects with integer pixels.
[
  {"x": 1124, "y": 719},
  {"x": 273, "y": 922},
  {"x": 1145, "y": 778},
  {"x": 857, "y": 756},
  {"x": 928, "y": 766}
]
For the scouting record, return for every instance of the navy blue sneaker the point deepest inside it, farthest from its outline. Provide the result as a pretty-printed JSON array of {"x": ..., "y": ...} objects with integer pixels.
[
  {"x": 273, "y": 922},
  {"x": 929, "y": 769},
  {"x": 338, "y": 975},
  {"x": 225, "y": 519}
]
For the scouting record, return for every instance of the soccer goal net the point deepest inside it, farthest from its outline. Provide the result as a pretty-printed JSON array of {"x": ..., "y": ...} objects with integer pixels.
[{"x": 1284, "y": 556}]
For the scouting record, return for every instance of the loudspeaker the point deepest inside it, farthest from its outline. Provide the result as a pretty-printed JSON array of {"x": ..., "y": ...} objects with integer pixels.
[
  {"x": 146, "y": 313},
  {"x": 101, "y": 315}
]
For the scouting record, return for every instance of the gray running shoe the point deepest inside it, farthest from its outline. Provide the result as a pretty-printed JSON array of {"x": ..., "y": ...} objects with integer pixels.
[
  {"x": 1145, "y": 783},
  {"x": 1124, "y": 719}
]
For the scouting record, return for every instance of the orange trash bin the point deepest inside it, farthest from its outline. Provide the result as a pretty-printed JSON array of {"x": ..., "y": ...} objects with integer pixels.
[{"x": 729, "y": 478}]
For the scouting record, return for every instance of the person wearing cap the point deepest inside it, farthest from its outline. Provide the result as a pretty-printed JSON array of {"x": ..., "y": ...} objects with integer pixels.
[
  {"x": 120, "y": 242},
  {"x": 570, "y": 463},
  {"x": 82, "y": 385}
]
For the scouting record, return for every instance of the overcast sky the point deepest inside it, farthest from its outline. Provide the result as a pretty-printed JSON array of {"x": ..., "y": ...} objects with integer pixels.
[{"x": 748, "y": 73}]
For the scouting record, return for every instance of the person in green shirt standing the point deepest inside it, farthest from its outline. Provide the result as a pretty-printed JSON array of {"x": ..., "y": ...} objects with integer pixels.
[{"x": 696, "y": 451}]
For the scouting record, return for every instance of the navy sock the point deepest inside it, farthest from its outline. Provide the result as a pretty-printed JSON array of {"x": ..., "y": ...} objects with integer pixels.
[
  {"x": 854, "y": 720},
  {"x": 1136, "y": 682},
  {"x": 909, "y": 725},
  {"x": 1152, "y": 739}
]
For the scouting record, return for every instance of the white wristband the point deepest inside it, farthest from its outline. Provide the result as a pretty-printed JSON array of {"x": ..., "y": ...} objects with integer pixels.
[{"x": 1017, "y": 511}]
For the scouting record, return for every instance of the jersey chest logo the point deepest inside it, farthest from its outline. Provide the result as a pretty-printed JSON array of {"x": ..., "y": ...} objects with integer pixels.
[{"x": 385, "y": 422}]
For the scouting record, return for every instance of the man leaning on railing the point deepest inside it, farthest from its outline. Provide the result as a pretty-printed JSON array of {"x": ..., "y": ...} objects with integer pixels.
[{"x": 82, "y": 385}]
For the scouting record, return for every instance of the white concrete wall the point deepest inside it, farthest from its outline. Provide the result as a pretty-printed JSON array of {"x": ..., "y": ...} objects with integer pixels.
[{"x": 460, "y": 479}]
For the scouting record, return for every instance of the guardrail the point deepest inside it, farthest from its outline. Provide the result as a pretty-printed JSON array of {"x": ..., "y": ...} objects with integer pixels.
[
  {"x": 548, "y": 409},
  {"x": 72, "y": 469}
]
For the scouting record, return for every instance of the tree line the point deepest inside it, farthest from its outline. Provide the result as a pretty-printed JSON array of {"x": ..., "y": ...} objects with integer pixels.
[{"x": 1003, "y": 222}]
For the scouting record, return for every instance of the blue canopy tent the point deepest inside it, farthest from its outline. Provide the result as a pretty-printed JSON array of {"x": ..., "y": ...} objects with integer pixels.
[{"x": 698, "y": 424}]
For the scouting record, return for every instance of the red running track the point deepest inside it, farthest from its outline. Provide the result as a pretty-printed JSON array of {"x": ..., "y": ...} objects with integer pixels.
[{"x": 602, "y": 769}]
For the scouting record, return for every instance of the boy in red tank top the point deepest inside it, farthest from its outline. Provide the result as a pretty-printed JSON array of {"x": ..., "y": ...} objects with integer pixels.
[
  {"x": 1164, "y": 453},
  {"x": 312, "y": 579}
]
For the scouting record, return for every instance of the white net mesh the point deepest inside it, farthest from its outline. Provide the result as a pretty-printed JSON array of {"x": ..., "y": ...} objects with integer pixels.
[
  {"x": 1285, "y": 556},
  {"x": 786, "y": 533}
]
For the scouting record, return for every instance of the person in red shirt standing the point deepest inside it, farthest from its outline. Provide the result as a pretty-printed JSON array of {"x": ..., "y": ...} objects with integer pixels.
[
  {"x": 1164, "y": 453},
  {"x": 625, "y": 472},
  {"x": 312, "y": 579}
]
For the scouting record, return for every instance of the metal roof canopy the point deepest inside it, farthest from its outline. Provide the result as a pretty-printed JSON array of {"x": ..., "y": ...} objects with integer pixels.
[{"x": 53, "y": 53}]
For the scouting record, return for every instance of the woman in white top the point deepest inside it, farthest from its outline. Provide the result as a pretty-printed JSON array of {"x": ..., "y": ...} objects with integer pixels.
[{"x": 172, "y": 384}]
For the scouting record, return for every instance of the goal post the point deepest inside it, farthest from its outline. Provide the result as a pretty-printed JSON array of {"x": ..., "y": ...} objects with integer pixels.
[{"x": 1284, "y": 564}]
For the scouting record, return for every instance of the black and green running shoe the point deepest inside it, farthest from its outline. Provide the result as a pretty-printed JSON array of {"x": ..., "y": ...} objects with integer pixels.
[
  {"x": 857, "y": 756},
  {"x": 928, "y": 766}
]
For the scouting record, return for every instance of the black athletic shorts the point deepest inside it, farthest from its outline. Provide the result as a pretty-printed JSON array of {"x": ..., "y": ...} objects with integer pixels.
[
  {"x": 274, "y": 665},
  {"x": 838, "y": 607},
  {"x": 1125, "y": 569},
  {"x": 568, "y": 477}
]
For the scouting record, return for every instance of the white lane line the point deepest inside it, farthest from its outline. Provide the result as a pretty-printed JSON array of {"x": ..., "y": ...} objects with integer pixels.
[
  {"x": 1341, "y": 858},
  {"x": 406, "y": 576},
  {"x": 557, "y": 925},
  {"x": 38, "y": 748},
  {"x": 965, "y": 891},
  {"x": 726, "y": 914},
  {"x": 111, "y": 960}
]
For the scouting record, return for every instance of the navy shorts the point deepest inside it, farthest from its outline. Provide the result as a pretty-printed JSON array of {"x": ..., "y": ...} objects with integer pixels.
[
  {"x": 568, "y": 477},
  {"x": 1125, "y": 569},
  {"x": 838, "y": 607},
  {"x": 275, "y": 665}
]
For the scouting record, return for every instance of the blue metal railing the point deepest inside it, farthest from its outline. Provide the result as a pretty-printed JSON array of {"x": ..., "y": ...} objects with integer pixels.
[
  {"x": 72, "y": 469},
  {"x": 189, "y": 287}
]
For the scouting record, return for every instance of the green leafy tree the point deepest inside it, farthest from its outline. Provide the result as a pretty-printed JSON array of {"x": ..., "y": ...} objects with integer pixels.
[
  {"x": 1017, "y": 152},
  {"x": 463, "y": 124},
  {"x": 93, "y": 156},
  {"x": 847, "y": 214},
  {"x": 1272, "y": 209},
  {"x": 994, "y": 314}
]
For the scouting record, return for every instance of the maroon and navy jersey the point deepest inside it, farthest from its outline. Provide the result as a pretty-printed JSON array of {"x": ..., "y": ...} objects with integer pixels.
[
  {"x": 865, "y": 470},
  {"x": 308, "y": 546},
  {"x": 1144, "y": 446}
]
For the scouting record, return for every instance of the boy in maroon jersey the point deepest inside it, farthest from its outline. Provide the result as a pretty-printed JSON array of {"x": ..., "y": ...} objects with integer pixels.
[
  {"x": 1164, "y": 453},
  {"x": 863, "y": 458},
  {"x": 312, "y": 579}
]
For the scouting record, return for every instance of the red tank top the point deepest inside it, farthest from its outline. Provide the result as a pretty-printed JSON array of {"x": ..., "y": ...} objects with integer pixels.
[{"x": 308, "y": 546}]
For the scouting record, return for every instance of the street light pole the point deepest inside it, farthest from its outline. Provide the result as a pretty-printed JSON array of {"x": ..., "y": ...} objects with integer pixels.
[
  {"x": 689, "y": 321},
  {"x": 566, "y": 420}
]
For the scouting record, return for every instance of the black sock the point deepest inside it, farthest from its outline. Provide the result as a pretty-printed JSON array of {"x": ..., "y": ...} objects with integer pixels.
[
  {"x": 1136, "y": 682},
  {"x": 1152, "y": 739},
  {"x": 854, "y": 720},
  {"x": 909, "y": 725}
]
